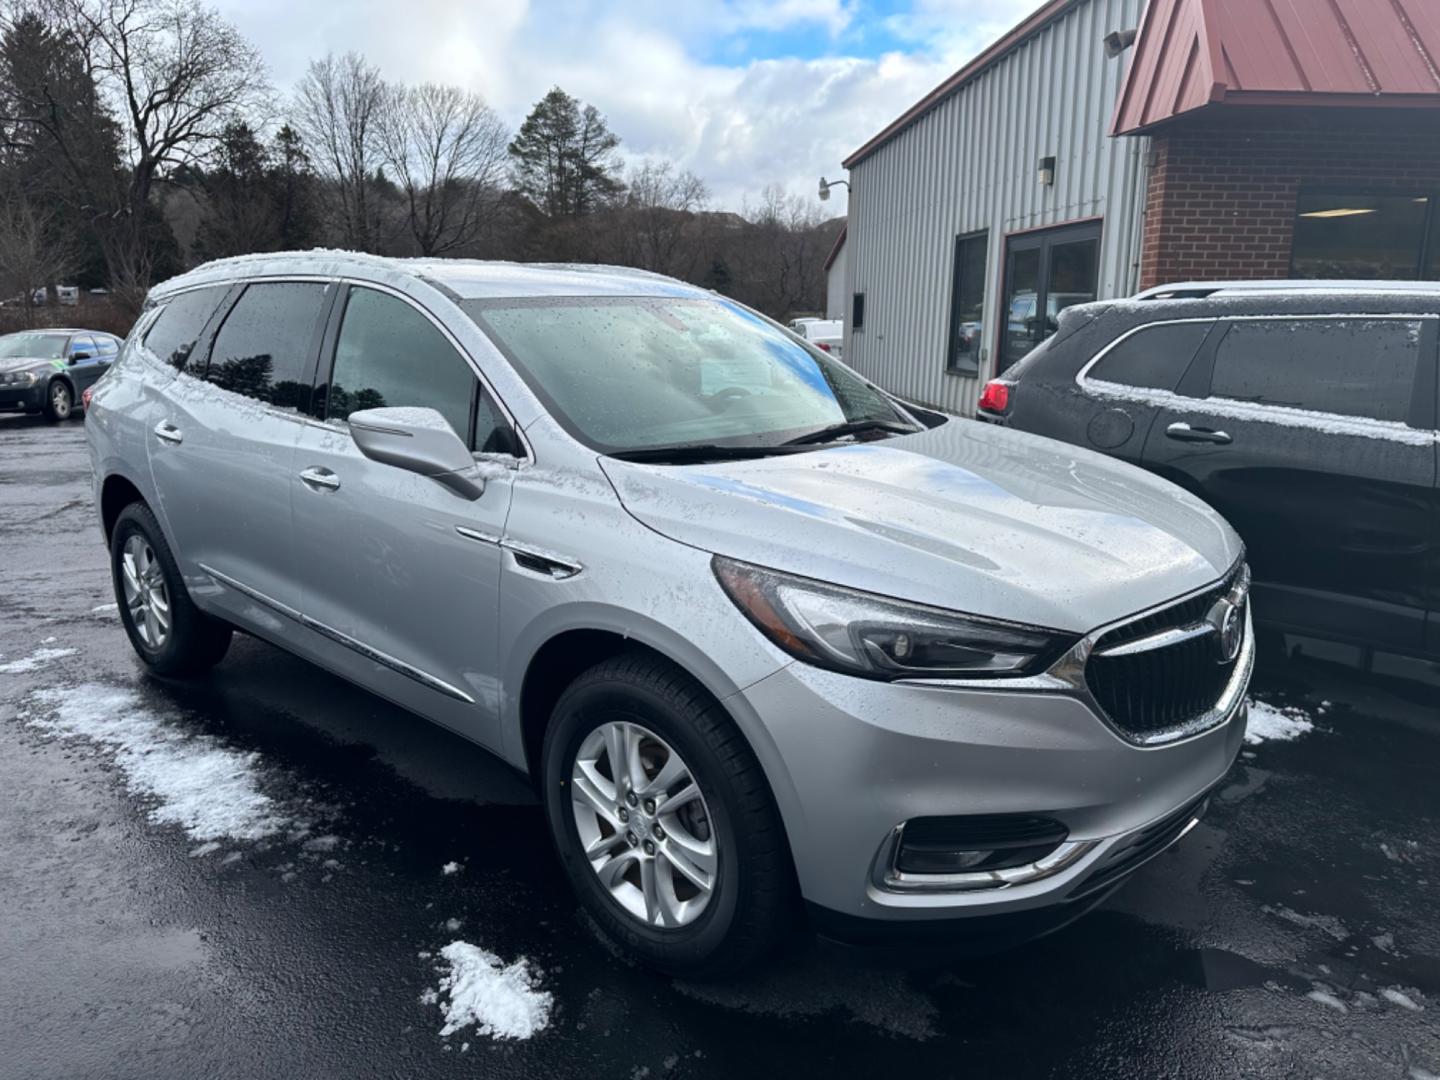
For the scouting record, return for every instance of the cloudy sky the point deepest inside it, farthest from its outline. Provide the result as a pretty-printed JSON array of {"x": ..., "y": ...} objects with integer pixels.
[{"x": 743, "y": 92}]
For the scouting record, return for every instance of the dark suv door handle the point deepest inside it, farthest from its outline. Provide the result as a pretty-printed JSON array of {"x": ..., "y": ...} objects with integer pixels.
[{"x": 1183, "y": 432}]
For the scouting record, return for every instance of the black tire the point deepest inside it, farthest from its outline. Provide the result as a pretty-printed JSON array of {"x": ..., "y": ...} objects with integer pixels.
[
  {"x": 59, "y": 401},
  {"x": 754, "y": 896},
  {"x": 195, "y": 641}
]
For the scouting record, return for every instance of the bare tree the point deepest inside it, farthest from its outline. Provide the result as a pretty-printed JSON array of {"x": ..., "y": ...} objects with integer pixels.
[
  {"x": 661, "y": 229},
  {"x": 34, "y": 251},
  {"x": 448, "y": 152},
  {"x": 338, "y": 107},
  {"x": 176, "y": 75}
]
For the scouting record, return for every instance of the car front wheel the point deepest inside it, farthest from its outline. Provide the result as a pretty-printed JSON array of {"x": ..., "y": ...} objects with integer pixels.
[
  {"x": 168, "y": 632},
  {"x": 664, "y": 821},
  {"x": 59, "y": 401}
]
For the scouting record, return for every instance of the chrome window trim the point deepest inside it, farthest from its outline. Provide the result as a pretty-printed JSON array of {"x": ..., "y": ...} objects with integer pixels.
[
  {"x": 1393, "y": 430},
  {"x": 384, "y": 659}
]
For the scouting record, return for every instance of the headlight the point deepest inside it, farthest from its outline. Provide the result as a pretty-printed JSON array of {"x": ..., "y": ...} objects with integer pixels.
[
  {"x": 878, "y": 638},
  {"x": 19, "y": 378}
]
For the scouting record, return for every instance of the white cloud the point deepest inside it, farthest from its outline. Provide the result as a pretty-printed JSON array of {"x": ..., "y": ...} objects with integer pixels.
[{"x": 738, "y": 123}]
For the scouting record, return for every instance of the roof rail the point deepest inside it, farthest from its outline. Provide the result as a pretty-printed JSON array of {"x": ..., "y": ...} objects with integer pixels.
[{"x": 1198, "y": 290}]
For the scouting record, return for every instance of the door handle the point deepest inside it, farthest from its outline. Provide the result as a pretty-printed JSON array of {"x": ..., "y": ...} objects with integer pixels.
[
  {"x": 168, "y": 432},
  {"x": 320, "y": 479},
  {"x": 1183, "y": 432}
]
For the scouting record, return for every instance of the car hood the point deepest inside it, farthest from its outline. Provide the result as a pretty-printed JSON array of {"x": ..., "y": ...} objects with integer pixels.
[
  {"x": 23, "y": 363},
  {"x": 965, "y": 516}
]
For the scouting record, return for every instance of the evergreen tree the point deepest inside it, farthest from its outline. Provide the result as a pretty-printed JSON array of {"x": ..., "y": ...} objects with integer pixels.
[{"x": 564, "y": 157}]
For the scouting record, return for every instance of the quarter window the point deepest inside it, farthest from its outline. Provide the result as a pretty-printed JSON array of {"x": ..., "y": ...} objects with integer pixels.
[
  {"x": 1351, "y": 367},
  {"x": 263, "y": 349},
  {"x": 1154, "y": 357},
  {"x": 173, "y": 334},
  {"x": 388, "y": 354},
  {"x": 105, "y": 345}
]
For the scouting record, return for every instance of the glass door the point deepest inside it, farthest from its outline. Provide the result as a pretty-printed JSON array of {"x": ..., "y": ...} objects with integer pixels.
[{"x": 1046, "y": 272}]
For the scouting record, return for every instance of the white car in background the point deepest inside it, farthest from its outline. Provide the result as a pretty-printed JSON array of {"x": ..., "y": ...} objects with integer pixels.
[{"x": 826, "y": 334}]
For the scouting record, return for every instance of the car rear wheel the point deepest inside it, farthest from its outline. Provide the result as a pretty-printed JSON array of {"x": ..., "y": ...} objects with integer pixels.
[
  {"x": 59, "y": 401},
  {"x": 169, "y": 633},
  {"x": 664, "y": 821}
]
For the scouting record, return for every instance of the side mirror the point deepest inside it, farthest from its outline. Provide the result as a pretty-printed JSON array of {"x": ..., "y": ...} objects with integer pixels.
[
  {"x": 76, "y": 357},
  {"x": 419, "y": 441}
]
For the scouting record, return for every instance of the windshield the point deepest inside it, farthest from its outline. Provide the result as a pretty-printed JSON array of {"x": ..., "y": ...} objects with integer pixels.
[
  {"x": 630, "y": 373},
  {"x": 38, "y": 346}
]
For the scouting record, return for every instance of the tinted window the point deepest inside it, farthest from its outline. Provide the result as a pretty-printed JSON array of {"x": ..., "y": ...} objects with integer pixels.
[
  {"x": 105, "y": 345},
  {"x": 82, "y": 343},
  {"x": 173, "y": 334},
  {"x": 263, "y": 347},
  {"x": 389, "y": 354},
  {"x": 1154, "y": 357},
  {"x": 1354, "y": 367}
]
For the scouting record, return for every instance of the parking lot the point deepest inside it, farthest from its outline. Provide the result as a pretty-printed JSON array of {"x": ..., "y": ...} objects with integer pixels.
[{"x": 1292, "y": 933}]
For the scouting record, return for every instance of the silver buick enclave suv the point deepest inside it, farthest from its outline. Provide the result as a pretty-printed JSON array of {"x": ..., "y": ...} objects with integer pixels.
[{"x": 761, "y": 633}]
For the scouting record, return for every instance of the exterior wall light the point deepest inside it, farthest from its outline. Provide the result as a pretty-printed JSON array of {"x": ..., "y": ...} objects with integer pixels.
[{"x": 826, "y": 185}]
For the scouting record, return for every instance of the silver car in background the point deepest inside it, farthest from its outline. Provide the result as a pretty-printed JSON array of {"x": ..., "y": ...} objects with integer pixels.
[{"x": 769, "y": 641}]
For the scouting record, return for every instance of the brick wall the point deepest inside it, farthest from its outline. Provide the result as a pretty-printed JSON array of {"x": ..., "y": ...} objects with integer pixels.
[{"x": 1222, "y": 189}]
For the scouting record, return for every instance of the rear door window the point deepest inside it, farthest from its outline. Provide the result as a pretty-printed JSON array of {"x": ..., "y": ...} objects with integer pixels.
[
  {"x": 105, "y": 345},
  {"x": 173, "y": 334},
  {"x": 82, "y": 343},
  {"x": 265, "y": 345},
  {"x": 1348, "y": 367},
  {"x": 1153, "y": 357}
]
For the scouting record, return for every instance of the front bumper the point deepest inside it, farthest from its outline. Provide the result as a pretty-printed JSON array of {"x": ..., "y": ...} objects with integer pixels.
[
  {"x": 855, "y": 759},
  {"x": 22, "y": 399}
]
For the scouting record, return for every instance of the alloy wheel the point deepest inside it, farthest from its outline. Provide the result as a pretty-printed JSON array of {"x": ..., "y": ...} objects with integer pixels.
[
  {"x": 644, "y": 825},
  {"x": 146, "y": 597},
  {"x": 60, "y": 400}
]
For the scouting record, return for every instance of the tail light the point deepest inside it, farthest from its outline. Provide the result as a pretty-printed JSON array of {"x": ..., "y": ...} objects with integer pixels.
[
  {"x": 86, "y": 396},
  {"x": 995, "y": 398},
  {"x": 825, "y": 345}
]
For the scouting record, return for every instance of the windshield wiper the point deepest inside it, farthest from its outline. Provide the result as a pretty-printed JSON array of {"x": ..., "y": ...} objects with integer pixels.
[
  {"x": 687, "y": 454},
  {"x": 851, "y": 427}
]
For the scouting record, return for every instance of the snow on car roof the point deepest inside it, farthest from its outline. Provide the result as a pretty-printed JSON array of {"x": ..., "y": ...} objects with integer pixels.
[{"x": 467, "y": 279}]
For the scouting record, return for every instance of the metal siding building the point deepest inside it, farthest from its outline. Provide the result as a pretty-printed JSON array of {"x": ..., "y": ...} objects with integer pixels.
[{"x": 967, "y": 161}]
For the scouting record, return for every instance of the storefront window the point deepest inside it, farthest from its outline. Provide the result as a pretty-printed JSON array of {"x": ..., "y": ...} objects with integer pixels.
[
  {"x": 1046, "y": 272},
  {"x": 1363, "y": 237},
  {"x": 967, "y": 303}
]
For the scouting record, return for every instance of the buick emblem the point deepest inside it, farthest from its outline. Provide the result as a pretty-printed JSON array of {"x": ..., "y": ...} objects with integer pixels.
[{"x": 1228, "y": 620}]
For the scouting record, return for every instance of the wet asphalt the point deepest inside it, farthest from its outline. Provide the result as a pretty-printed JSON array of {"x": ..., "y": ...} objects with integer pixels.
[{"x": 1263, "y": 945}]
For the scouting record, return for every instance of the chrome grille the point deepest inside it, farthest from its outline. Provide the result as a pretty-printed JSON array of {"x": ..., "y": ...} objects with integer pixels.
[{"x": 1161, "y": 673}]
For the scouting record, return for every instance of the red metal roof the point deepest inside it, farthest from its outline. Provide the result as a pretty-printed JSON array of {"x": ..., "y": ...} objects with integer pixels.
[{"x": 1194, "y": 53}]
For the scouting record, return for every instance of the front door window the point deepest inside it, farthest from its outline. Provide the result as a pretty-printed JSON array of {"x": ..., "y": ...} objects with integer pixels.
[{"x": 1046, "y": 272}]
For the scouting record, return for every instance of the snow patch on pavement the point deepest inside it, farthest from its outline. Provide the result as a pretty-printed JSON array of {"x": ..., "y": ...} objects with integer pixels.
[
  {"x": 1396, "y": 996},
  {"x": 503, "y": 1001},
  {"x": 36, "y": 660},
  {"x": 1324, "y": 997},
  {"x": 105, "y": 609},
  {"x": 1276, "y": 723},
  {"x": 450, "y": 868},
  {"x": 209, "y": 789}
]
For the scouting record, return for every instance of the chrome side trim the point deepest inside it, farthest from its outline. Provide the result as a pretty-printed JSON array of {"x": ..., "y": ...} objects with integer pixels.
[
  {"x": 384, "y": 659},
  {"x": 477, "y": 535},
  {"x": 1173, "y": 636},
  {"x": 563, "y": 566}
]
